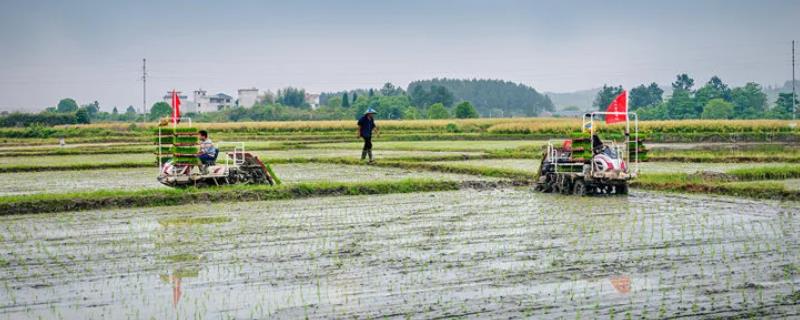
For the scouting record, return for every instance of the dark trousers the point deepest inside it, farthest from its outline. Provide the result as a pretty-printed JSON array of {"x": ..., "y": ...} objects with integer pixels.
[
  {"x": 206, "y": 158},
  {"x": 367, "y": 150},
  {"x": 367, "y": 144}
]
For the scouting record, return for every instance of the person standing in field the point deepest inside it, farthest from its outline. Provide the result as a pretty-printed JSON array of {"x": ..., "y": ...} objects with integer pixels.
[{"x": 366, "y": 125}]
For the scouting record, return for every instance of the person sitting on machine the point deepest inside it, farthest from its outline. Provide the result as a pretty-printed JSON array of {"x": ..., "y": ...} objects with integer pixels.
[
  {"x": 597, "y": 144},
  {"x": 208, "y": 153}
]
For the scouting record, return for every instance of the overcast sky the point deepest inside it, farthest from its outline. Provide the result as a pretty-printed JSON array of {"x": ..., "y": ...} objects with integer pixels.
[{"x": 92, "y": 50}]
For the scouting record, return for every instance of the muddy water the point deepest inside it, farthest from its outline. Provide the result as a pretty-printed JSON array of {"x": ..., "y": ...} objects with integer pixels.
[
  {"x": 145, "y": 178},
  {"x": 531, "y": 165},
  {"x": 503, "y": 253}
]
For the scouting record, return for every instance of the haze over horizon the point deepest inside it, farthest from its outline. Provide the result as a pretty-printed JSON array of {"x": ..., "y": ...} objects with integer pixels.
[{"x": 92, "y": 50}]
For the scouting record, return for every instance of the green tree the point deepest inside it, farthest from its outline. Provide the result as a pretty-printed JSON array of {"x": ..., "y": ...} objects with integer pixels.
[
  {"x": 718, "y": 108},
  {"x": 643, "y": 96},
  {"x": 115, "y": 111},
  {"x": 683, "y": 82},
  {"x": 345, "y": 101},
  {"x": 82, "y": 116},
  {"x": 656, "y": 112},
  {"x": 465, "y": 110},
  {"x": 411, "y": 113},
  {"x": 389, "y": 89},
  {"x": 292, "y": 97},
  {"x": 713, "y": 89},
  {"x": 419, "y": 96},
  {"x": 67, "y": 105},
  {"x": 334, "y": 102},
  {"x": 93, "y": 109},
  {"x": 515, "y": 99},
  {"x": 355, "y": 97},
  {"x": 159, "y": 110},
  {"x": 783, "y": 108},
  {"x": 436, "y": 94},
  {"x": 438, "y": 111},
  {"x": 681, "y": 106},
  {"x": 605, "y": 96},
  {"x": 440, "y": 94},
  {"x": 749, "y": 101}
]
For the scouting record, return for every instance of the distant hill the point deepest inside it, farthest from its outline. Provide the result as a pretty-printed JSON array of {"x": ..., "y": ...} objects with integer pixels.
[
  {"x": 493, "y": 96},
  {"x": 772, "y": 91},
  {"x": 581, "y": 99}
]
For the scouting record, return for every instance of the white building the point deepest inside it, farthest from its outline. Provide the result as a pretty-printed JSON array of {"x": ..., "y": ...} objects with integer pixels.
[
  {"x": 220, "y": 101},
  {"x": 248, "y": 97},
  {"x": 205, "y": 103},
  {"x": 313, "y": 100},
  {"x": 200, "y": 101}
]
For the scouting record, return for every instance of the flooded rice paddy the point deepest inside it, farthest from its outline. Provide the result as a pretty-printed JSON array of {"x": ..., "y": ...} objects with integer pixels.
[
  {"x": 145, "y": 178},
  {"x": 496, "y": 253},
  {"x": 58, "y": 160},
  {"x": 531, "y": 165}
]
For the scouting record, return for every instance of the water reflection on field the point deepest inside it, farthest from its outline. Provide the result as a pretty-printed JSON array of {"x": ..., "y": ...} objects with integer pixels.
[{"x": 500, "y": 253}]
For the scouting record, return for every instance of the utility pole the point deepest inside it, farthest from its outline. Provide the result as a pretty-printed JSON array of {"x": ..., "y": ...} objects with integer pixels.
[
  {"x": 144, "y": 86},
  {"x": 794, "y": 95}
]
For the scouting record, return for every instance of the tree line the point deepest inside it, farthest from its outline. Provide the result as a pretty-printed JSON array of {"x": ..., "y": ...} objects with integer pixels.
[
  {"x": 67, "y": 111},
  {"x": 447, "y": 98},
  {"x": 713, "y": 100}
]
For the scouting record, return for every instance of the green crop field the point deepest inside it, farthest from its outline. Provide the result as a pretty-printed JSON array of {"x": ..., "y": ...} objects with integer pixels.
[{"x": 444, "y": 224}]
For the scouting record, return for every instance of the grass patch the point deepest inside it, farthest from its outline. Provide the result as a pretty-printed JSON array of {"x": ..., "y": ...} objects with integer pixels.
[
  {"x": 695, "y": 184},
  {"x": 724, "y": 156},
  {"x": 63, "y": 202},
  {"x": 182, "y": 257},
  {"x": 186, "y": 221},
  {"x": 767, "y": 173}
]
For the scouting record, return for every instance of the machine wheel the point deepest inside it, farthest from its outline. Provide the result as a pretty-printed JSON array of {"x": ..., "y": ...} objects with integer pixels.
[
  {"x": 621, "y": 189},
  {"x": 579, "y": 188},
  {"x": 549, "y": 183},
  {"x": 566, "y": 185}
]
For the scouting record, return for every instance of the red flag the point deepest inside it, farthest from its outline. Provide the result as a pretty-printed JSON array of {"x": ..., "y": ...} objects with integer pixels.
[
  {"x": 620, "y": 104},
  {"x": 176, "y": 107}
]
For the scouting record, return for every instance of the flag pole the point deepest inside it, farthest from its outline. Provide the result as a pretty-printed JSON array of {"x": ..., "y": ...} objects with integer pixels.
[
  {"x": 627, "y": 119},
  {"x": 174, "y": 114}
]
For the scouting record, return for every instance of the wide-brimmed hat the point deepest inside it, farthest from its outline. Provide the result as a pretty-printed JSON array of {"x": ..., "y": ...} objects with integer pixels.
[{"x": 370, "y": 110}]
